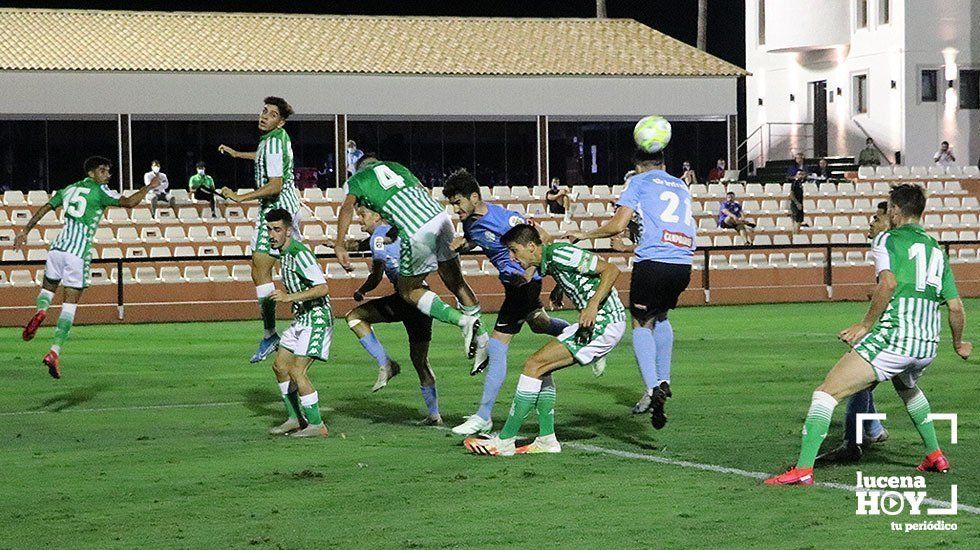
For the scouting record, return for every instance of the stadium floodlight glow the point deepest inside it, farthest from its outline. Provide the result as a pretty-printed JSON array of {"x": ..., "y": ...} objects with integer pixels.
[{"x": 949, "y": 58}]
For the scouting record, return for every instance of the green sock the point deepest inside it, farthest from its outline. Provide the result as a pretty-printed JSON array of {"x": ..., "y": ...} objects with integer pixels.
[
  {"x": 311, "y": 408},
  {"x": 433, "y": 306},
  {"x": 63, "y": 327},
  {"x": 919, "y": 409},
  {"x": 268, "y": 308},
  {"x": 815, "y": 427},
  {"x": 524, "y": 400},
  {"x": 546, "y": 407},
  {"x": 43, "y": 300},
  {"x": 291, "y": 399}
]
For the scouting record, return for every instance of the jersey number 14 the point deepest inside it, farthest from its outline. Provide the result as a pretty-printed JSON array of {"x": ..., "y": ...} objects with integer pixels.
[{"x": 928, "y": 271}]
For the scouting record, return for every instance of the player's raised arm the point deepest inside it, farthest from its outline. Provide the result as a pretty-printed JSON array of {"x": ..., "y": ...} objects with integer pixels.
[
  {"x": 225, "y": 150},
  {"x": 344, "y": 217},
  {"x": 137, "y": 197},
  {"x": 21, "y": 238},
  {"x": 312, "y": 293},
  {"x": 616, "y": 225},
  {"x": 372, "y": 281},
  {"x": 270, "y": 189}
]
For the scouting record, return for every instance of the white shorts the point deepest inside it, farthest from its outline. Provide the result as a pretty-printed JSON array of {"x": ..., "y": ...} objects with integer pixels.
[
  {"x": 305, "y": 341},
  {"x": 260, "y": 237},
  {"x": 888, "y": 365},
  {"x": 71, "y": 270},
  {"x": 423, "y": 251},
  {"x": 602, "y": 342}
]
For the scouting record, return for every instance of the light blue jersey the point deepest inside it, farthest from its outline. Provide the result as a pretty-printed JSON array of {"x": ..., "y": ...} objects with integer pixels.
[
  {"x": 667, "y": 228},
  {"x": 385, "y": 252}
]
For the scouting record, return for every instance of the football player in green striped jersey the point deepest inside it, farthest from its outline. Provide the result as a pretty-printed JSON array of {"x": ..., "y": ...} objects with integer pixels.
[
  {"x": 589, "y": 281},
  {"x": 308, "y": 337},
  {"x": 426, "y": 233},
  {"x": 274, "y": 188},
  {"x": 70, "y": 253},
  {"x": 899, "y": 336}
]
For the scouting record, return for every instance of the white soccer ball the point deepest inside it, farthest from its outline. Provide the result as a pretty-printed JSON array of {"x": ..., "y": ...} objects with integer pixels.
[{"x": 652, "y": 133}]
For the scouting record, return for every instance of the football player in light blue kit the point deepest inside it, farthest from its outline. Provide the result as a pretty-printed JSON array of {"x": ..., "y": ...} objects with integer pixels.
[
  {"x": 385, "y": 254},
  {"x": 661, "y": 269},
  {"x": 483, "y": 225}
]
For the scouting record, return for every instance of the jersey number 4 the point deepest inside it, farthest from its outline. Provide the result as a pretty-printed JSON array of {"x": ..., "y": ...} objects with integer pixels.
[
  {"x": 76, "y": 202},
  {"x": 387, "y": 178},
  {"x": 928, "y": 271}
]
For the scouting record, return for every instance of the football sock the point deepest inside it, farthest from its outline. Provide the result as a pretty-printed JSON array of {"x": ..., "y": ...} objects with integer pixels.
[
  {"x": 546, "y": 407},
  {"x": 645, "y": 349},
  {"x": 524, "y": 401},
  {"x": 290, "y": 396},
  {"x": 431, "y": 399},
  {"x": 267, "y": 308},
  {"x": 433, "y": 306},
  {"x": 374, "y": 347},
  {"x": 311, "y": 408},
  {"x": 472, "y": 311},
  {"x": 63, "y": 327},
  {"x": 815, "y": 427},
  {"x": 919, "y": 409},
  {"x": 556, "y": 326},
  {"x": 663, "y": 336},
  {"x": 496, "y": 372},
  {"x": 43, "y": 299}
]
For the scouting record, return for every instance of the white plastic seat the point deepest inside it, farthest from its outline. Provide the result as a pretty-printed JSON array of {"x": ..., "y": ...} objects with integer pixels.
[
  {"x": 936, "y": 170},
  {"x": 118, "y": 216},
  {"x": 127, "y": 235},
  {"x": 781, "y": 240},
  {"x": 822, "y": 223},
  {"x": 219, "y": 274},
  {"x": 883, "y": 172},
  {"x": 800, "y": 238},
  {"x": 971, "y": 171},
  {"x": 21, "y": 277},
  {"x": 520, "y": 192},
  {"x": 136, "y": 252},
  {"x": 232, "y": 250},
  {"x": 758, "y": 260},
  {"x": 797, "y": 259},
  {"x": 175, "y": 234},
  {"x": 13, "y": 256},
  {"x": 762, "y": 240},
  {"x": 325, "y": 213},
  {"x": 188, "y": 215},
  {"x": 207, "y": 250},
  {"x": 198, "y": 233},
  {"x": 37, "y": 254},
  {"x": 335, "y": 271},
  {"x": 184, "y": 252},
  {"x": 241, "y": 273},
  {"x": 146, "y": 275},
  {"x": 111, "y": 253},
  {"x": 866, "y": 172},
  {"x": 856, "y": 238},
  {"x": 195, "y": 274},
  {"x": 844, "y": 188},
  {"x": 899, "y": 172},
  {"x": 723, "y": 240},
  {"x": 170, "y": 274},
  {"x": 243, "y": 233},
  {"x": 313, "y": 194},
  {"x": 919, "y": 172},
  {"x": 773, "y": 190},
  {"x": 160, "y": 252}
]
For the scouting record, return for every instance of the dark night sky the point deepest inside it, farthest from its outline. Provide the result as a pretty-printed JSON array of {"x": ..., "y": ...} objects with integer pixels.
[{"x": 678, "y": 18}]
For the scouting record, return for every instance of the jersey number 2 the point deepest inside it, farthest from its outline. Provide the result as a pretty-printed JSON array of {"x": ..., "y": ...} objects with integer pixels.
[
  {"x": 76, "y": 202},
  {"x": 928, "y": 271},
  {"x": 387, "y": 178}
]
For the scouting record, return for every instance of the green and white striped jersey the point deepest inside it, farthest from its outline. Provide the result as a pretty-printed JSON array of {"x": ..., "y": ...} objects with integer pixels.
[
  {"x": 911, "y": 324},
  {"x": 575, "y": 270},
  {"x": 391, "y": 190},
  {"x": 274, "y": 159},
  {"x": 301, "y": 272},
  {"x": 84, "y": 202}
]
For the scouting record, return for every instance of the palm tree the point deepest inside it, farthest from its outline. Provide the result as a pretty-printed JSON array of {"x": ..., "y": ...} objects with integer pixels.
[
  {"x": 600, "y": 9},
  {"x": 702, "y": 24}
]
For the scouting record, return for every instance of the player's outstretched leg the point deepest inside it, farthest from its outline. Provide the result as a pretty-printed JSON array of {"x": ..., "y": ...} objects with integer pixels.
[
  {"x": 496, "y": 372},
  {"x": 42, "y": 303},
  {"x": 918, "y": 408},
  {"x": 360, "y": 320},
  {"x": 262, "y": 278},
  {"x": 427, "y": 383},
  {"x": 290, "y": 395},
  {"x": 475, "y": 337}
]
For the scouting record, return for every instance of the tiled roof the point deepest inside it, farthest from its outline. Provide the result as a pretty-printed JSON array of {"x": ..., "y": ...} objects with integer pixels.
[{"x": 36, "y": 39}]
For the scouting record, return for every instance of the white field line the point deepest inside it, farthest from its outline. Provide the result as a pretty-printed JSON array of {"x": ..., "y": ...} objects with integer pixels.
[{"x": 584, "y": 447}]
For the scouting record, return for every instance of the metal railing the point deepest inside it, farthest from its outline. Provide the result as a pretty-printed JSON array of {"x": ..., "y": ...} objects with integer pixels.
[
  {"x": 868, "y": 135},
  {"x": 775, "y": 140},
  {"x": 705, "y": 252}
]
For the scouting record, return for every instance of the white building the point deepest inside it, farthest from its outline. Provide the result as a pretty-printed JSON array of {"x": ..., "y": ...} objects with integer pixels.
[{"x": 905, "y": 72}]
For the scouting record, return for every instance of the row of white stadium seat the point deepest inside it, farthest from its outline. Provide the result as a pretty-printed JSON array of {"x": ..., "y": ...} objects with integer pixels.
[{"x": 899, "y": 172}]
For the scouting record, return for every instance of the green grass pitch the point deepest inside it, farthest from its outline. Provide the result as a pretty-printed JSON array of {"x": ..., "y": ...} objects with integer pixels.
[{"x": 156, "y": 437}]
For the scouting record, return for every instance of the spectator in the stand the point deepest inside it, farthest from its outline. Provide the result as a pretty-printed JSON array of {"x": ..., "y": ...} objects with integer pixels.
[
  {"x": 559, "y": 199},
  {"x": 353, "y": 155},
  {"x": 730, "y": 217},
  {"x": 201, "y": 187},
  {"x": 718, "y": 172},
  {"x": 944, "y": 156},
  {"x": 161, "y": 192},
  {"x": 799, "y": 163},
  {"x": 796, "y": 201},
  {"x": 869, "y": 156},
  {"x": 687, "y": 174},
  {"x": 820, "y": 173}
]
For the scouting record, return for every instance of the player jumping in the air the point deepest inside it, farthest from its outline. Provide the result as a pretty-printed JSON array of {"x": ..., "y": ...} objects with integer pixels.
[
  {"x": 661, "y": 269},
  {"x": 274, "y": 188},
  {"x": 899, "y": 336},
  {"x": 70, "y": 254},
  {"x": 588, "y": 280},
  {"x": 392, "y": 309},
  {"x": 308, "y": 337},
  {"x": 483, "y": 226},
  {"x": 426, "y": 233}
]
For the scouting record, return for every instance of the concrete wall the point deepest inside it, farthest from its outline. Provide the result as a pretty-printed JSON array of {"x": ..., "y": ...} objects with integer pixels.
[{"x": 28, "y": 92}]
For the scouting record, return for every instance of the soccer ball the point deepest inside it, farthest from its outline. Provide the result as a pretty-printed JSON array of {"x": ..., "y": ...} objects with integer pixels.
[{"x": 652, "y": 133}]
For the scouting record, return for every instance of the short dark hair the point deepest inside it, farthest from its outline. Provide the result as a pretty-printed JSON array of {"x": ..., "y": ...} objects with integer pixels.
[
  {"x": 154, "y": 161},
  {"x": 732, "y": 193},
  {"x": 461, "y": 182},
  {"x": 521, "y": 234},
  {"x": 279, "y": 215},
  {"x": 910, "y": 199},
  {"x": 92, "y": 163},
  {"x": 883, "y": 205},
  {"x": 285, "y": 109},
  {"x": 946, "y": 143},
  {"x": 640, "y": 157},
  {"x": 365, "y": 157},
  {"x": 200, "y": 164}
]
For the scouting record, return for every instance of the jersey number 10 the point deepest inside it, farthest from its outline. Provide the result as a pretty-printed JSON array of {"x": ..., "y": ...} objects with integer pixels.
[{"x": 928, "y": 271}]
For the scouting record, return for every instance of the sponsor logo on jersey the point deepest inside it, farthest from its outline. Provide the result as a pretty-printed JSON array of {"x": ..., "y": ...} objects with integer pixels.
[{"x": 677, "y": 239}]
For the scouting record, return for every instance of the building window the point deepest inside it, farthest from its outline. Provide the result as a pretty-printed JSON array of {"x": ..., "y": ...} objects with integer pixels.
[
  {"x": 860, "y": 94},
  {"x": 762, "y": 22},
  {"x": 861, "y": 13},
  {"x": 929, "y": 85},
  {"x": 884, "y": 12},
  {"x": 969, "y": 89}
]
